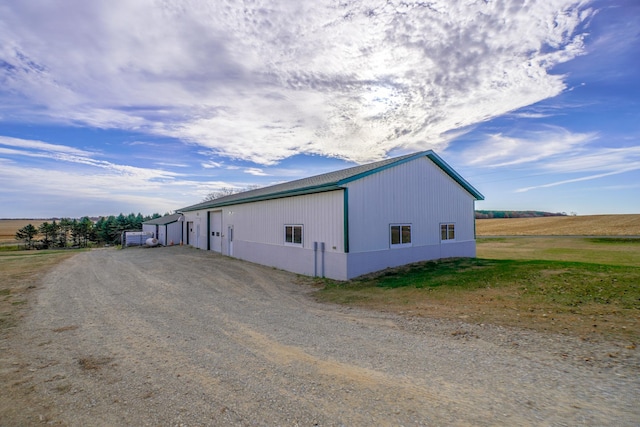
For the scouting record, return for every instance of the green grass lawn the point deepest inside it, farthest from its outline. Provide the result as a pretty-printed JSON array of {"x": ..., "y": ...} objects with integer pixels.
[
  {"x": 569, "y": 284},
  {"x": 610, "y": 251},
  {"x": 515, "y": 282}
]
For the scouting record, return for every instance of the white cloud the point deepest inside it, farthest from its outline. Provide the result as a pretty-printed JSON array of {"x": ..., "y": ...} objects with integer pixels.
[
  {"x": 555, "y": 152},
  {"x": 211, "y": 165},
  {"x": 501, "y": 150},
  {"x": 256, "y": 172},
  {"x": 26, "y": 147},
  {"x": 57, "y": 190},
  {"x": 173, "y": 165},
  {"x": 267, "y": 80},
  {"x": 580, "y": 179},
  {"x": 598, "y": 159}
]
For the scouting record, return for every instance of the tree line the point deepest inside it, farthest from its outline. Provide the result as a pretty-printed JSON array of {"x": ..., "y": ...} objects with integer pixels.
[
  {"x": 517, "y": 214},
  {"x": 82, "y": 232}
]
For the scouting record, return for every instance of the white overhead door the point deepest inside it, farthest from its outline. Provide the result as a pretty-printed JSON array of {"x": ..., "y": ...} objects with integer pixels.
[{"x": 216, "y": 231}]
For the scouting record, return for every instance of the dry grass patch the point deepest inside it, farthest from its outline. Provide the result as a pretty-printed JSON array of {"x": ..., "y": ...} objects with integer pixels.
[{"x": 20, "y": 272}]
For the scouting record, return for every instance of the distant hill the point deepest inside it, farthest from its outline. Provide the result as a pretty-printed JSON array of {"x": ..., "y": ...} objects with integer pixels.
[{"x": 516, "y": 214}]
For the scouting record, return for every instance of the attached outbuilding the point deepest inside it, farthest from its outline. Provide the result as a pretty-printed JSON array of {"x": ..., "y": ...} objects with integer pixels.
[
  {"x": 167, "y": 229},
  {"x": 346, "y": 223}
]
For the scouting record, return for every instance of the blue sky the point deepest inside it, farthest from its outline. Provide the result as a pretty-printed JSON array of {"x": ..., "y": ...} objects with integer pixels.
[{"x": 147, "y": 106}]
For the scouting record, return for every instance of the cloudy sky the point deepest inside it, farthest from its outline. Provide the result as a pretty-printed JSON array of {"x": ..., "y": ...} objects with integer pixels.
[{"x": 147, "y": 106}]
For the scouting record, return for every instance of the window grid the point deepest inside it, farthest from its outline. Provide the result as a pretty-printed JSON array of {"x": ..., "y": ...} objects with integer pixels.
[
  {"x": 447, "y": 232},
  {"x": 293, "y": 235},
  {"x": 400, "y": 235}
]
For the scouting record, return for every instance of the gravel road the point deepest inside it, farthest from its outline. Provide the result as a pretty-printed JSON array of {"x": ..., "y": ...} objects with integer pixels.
[{"x": 177, "y": 336}]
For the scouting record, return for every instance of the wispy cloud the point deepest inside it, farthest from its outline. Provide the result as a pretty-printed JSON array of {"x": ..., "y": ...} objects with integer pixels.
[
  {"x": 256, "y": 172},
  {"x": 580, "y": 179},
  {"x": 598, "y": 159},
  {"x": 90, "y": 182},
  {"x": 533, "y": 146},
  {"x": 264, "y": 81},
  {"x": 27, "y": 147},
  {"x": 174, "y": 165},
  {"x": 563, "y": 156},
  {"x": 211, "y": 165}
]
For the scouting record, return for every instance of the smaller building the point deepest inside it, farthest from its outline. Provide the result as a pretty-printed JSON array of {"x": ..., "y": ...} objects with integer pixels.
[{"x": 167, "y": 229}]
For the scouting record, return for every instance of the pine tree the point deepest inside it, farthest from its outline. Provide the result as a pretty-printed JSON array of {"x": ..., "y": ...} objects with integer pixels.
[{"x": 27, "y": 233}]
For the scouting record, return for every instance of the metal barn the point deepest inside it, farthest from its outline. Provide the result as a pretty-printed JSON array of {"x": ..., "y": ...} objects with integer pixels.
[
  {"x": 167, "y": 229},
  {"x": 346, "y": 223}
]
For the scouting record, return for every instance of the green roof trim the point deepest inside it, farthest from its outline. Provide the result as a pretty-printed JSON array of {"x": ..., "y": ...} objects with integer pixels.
[
  {"x": 330, "y": 182},
  {"x": 455, "y": 175},
  {"x": 164, "y": 220}
]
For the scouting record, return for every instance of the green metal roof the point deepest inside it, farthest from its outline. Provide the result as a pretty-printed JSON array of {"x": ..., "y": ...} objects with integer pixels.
[{"x": 329, "y": 182}]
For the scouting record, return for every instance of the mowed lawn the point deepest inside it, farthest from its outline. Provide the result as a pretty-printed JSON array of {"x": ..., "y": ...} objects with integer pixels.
[{"x": 587, "y": 287}]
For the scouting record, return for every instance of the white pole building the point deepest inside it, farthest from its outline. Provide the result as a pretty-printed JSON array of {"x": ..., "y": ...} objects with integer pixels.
[
  {"x": 167, "y": 229},
  {"x": 346, "y": 223}
]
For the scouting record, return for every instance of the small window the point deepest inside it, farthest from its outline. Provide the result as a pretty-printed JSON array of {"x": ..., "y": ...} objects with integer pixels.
[
  {"x": 293, "y": 235},
  {"x": 447, "y": 232},
  {"x": 400, "y": 235}
]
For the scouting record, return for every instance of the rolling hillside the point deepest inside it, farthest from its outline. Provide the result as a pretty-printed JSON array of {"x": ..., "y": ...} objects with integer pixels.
[{"x": 588, "y": 225}]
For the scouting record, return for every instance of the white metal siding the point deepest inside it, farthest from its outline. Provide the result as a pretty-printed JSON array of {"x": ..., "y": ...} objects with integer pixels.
[
  {"x": 258, "y": 232},
  {"x": 417, "y": 193},
  {"x": 150, "y": 228},
  {"x": 196, "y": 229},
  {"x": 321, "y": 216},
  {"x": 174, "y": 233}
]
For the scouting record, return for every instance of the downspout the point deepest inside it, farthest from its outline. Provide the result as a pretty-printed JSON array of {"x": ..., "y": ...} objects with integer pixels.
[
  {"x": 315, "y": 259},
  {"x": 322, "y": 256}
]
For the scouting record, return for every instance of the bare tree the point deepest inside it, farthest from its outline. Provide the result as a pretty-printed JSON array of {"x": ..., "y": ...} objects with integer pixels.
[{"x": 227, "y": 191}]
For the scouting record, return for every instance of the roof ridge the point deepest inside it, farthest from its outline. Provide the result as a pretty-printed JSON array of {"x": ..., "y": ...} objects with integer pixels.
[{"x": 330, "y": 181}]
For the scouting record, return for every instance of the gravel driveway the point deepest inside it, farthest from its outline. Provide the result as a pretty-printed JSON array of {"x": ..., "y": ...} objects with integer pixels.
[{"x": 178, "y": 336}]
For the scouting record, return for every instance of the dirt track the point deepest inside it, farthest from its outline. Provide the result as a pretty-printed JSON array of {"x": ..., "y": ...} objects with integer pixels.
[{"x": 177, "y": 336}]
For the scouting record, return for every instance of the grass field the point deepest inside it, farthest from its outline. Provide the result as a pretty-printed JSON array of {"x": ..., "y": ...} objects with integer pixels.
[
  {"x": 588, "y": 225},
  {"x": 620, "y": 251},
  {"x": 586, "y": 287},
  {"x": 20, "y": 272}
]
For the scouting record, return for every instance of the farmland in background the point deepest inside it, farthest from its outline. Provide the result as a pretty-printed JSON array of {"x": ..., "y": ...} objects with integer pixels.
[
  {"x": 8, "y": 228},
  {"x": 588, "y": 225}
]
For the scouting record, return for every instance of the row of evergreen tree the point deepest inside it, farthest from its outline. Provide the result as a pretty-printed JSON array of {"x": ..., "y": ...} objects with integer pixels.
[
  {"x": 82, "y": 232},
  {"x": 516, "y": 214}
]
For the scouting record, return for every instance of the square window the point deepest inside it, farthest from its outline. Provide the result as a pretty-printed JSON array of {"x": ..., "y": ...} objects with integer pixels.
[
  {"x": 293, "y": 235},
  {"x": 400, "y": 235},
  {"x": 447, "y": 232}
]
